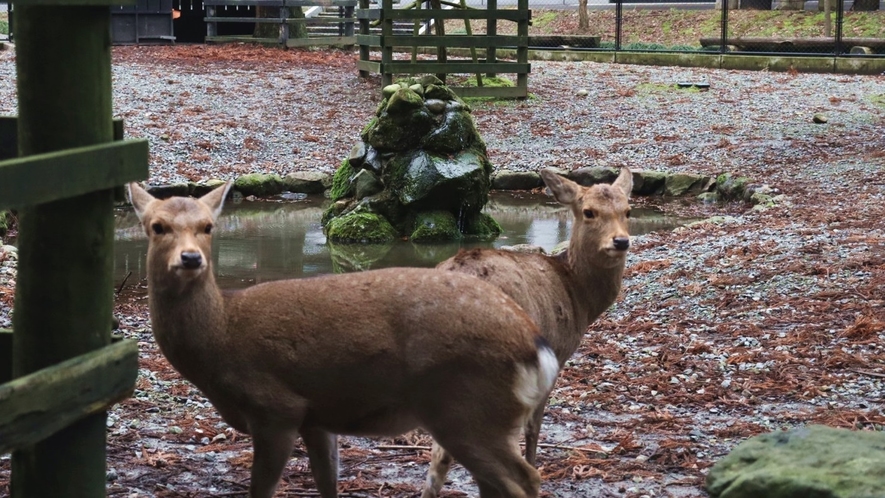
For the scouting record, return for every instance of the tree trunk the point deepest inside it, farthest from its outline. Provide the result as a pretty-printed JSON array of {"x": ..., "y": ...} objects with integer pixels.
[{"x": 583, "y": 18}]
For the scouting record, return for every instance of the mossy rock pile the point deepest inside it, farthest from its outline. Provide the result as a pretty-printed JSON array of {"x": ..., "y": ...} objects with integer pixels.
[{"x": 420, "y": 166}]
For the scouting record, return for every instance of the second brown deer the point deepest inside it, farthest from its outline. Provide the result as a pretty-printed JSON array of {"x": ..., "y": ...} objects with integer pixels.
[
  {"x": 563, "y": 294},
  {"x": 373, "y": 353}
]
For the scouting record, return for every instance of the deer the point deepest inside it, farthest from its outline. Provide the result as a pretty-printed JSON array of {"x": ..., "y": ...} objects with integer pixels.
[
  {"x": 376, "y": 353},
  {"x": 564, "y": 293}
]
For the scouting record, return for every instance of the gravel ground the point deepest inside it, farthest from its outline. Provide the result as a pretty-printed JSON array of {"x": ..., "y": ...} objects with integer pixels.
[{"x": 755, "y": 321}]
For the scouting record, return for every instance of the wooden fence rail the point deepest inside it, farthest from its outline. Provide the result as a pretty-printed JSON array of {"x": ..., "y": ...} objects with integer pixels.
[{"x": 486, "y": 44}]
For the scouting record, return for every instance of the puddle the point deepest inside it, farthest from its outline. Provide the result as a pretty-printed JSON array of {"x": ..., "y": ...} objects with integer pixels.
[{"x": 262, "y": 241}]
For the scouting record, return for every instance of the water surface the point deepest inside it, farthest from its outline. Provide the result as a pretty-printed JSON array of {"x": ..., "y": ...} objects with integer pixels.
[{"x": 264, "y": 240}]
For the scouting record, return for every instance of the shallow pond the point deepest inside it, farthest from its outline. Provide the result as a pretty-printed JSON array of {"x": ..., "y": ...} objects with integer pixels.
[{"x": 263, "y": 240}]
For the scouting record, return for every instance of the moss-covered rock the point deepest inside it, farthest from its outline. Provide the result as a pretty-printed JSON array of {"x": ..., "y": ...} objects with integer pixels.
[
  {"x": 366, "y": 184},
  {"x": 806, "y": 462},
  {"x": 307, "y": 182},
  {"x": 335, "y": 209},
  {"x": 457, "y": 132},
  {"x": 481, "y": 227},
  {"x": 516, "y": 180},
  {"x": 259, "y": 184},
  {"x": 680, "y": 183},
  {"x": 203, "y": 188},
  {"x": 648, "y": 182},
  {"x": 342, "y": 185},
  {"x": 403, "y": 102},
  {"x": 731, "y": 188},
  {"x": 435, "y": 226},
  {"x": 593, "y": 175},
  {"x": 360, "y": 227},
  {"x": 399, "y": 132},
  {"x": 458, "y": 183}
]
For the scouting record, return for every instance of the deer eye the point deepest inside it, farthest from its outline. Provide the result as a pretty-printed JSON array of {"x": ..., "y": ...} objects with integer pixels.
[
  {"x": 208, "y": 229},
  {"x": 589, "y": 214},
  {"x": 157, "y": 228}
]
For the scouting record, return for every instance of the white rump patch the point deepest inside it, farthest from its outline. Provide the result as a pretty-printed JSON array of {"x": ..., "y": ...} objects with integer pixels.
[{"x": 533, "y": 384}]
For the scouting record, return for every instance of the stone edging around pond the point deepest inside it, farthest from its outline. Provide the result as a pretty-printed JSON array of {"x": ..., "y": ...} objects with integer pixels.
[{"x": 725, "y": 187}]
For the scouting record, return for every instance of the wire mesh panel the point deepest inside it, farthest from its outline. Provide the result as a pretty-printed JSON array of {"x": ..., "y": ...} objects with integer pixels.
[
  {"x": 863, "y": 29},
  {"x": 653, "y": 29}
]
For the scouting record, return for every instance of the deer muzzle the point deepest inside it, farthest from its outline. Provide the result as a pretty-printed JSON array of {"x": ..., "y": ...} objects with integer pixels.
[
  {"x": 191, "y": 260},
  {"x": 621, "y": 243}
]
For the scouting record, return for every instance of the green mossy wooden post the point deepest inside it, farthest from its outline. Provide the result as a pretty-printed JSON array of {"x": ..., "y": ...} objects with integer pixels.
[{"x": 64, "y": 291}]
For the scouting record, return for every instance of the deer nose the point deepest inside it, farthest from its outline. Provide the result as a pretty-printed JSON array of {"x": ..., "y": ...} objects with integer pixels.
[
  {"x": 191, "y": 260},
  {"x": 621, "y": 243}
]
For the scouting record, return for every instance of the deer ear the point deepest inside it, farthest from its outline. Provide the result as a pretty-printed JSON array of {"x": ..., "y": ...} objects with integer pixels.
[
  {"x": 215, "y": 199},
  {"x": 624, "y": 182},
  {"x": 140, "y": 199},
  {"x": 564, "y": 190}
]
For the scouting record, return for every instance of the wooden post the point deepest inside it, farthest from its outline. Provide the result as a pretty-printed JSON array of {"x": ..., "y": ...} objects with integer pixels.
[
  {"x": 211, "y": 26},
  {"x": 64, "y": 294},
  {"x": 364, "y": 30},
  {"x": 492, "y": 30},
  {"x": 386, "y": 42},
  {"x": 522, "y": 53}
]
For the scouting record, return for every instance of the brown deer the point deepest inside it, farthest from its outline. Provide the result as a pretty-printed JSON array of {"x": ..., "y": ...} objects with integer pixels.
[
  {"x": 373, "y": 353},
  {"x": 563, "y": 294}
]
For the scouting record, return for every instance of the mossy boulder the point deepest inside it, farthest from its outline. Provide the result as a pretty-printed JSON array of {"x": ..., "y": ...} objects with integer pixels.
[
  {"x": 307, "y": 182},
  {"x": 203, "y": 188},
  {"x": 681, "y": 183},
  {"x": 421, "y": 153},
  {"x": 169, "y": 190},
  {"x": 516, "y": 180},
  {"x": 648, "y": 182},
  {"x": 731, "y": 188},
  {"x": 435, "y": 226},
  {"x": 482, "y": 227},
  {"x": 342, "y": 184},
  {"x": 259, "y": 184},
  {"x": 458, "y": 183},
  {"x": 360, "y": 227},
  {"x": 593, "y": 175},
  {"x": 807, "y": 462}
]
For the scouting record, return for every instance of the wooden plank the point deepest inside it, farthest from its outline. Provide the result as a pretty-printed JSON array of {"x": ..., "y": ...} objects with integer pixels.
[
  {"x": 320, "y": 40},
  {"x": 369, "y": 66},
  {"x": 370, "y": 40},
  {"x": 454, "y": 41},
  {"x": 73, "y": 172},
  {"x": 5, "y": 355},
  {"x": 370, "y": 14},
  {"x": 454, "y": 67},
  {"x": 36, "y": 406},
  {"x": 501, "y": 14},
  {"x": 8, "y": 137},
  {"x": 323, "y": 20},
  {"x": 242, "y": 39}
]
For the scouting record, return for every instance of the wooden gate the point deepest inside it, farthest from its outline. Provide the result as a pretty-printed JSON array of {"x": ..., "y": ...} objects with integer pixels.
[
  {"x": 387, "y": 40},
  {"x": 65, "y": 369}
]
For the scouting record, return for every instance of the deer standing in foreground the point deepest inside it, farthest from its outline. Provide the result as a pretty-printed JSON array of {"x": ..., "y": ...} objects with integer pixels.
[
  {"x": 374, "y": 353},
  {"x": 563, "y": 294}
]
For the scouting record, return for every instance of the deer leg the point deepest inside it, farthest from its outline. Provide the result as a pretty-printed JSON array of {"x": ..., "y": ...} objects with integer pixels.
[
  {"x": 496, "y": 465},
  {"x": 322, "y": 451},
  {"x": 272, "y": 446},
  {"x": 440, "y": 461},
  {"x": 532, "y": 432}
]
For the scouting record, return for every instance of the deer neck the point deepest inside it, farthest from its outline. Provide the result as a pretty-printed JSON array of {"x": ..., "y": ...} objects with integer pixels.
[
  {"x": 185, "y": 316},
  {"x": 596, "y": 285}
]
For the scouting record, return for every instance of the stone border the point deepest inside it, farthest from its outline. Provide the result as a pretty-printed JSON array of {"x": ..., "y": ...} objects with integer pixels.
[{"x": 725, "y": 187}]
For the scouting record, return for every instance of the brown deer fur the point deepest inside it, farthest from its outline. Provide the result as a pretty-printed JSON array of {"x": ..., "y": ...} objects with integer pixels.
[
  {"x": 563, "y": 294},
  {"x": 372, "y": 353}
]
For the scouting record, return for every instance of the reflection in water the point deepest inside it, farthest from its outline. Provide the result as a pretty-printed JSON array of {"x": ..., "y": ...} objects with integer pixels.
[{"x": 262, "y": 241}]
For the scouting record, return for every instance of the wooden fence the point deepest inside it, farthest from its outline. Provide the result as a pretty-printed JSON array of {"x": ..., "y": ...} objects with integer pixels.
[
  {"x": 345, "y": 21},
  {"x": 59, "y": 367},
  {"x": 485, "y": 44}
]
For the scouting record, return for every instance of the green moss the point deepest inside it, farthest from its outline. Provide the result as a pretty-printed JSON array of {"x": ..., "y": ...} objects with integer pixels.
[
  {"x": 543, "y": 20},
  {"x": 878, "y": 100},
  {"x": 360, "y": 227},
  {"x": 435, "y": 226},
  {"x": 731, "y": 188},
  {"x": 341, "y": 184},
  {"x": 482, "y": 227},
  {"x": 372, "y": 122},
  {"x": 334, "y": 210},
  {"x": 259, "y": 184}
]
